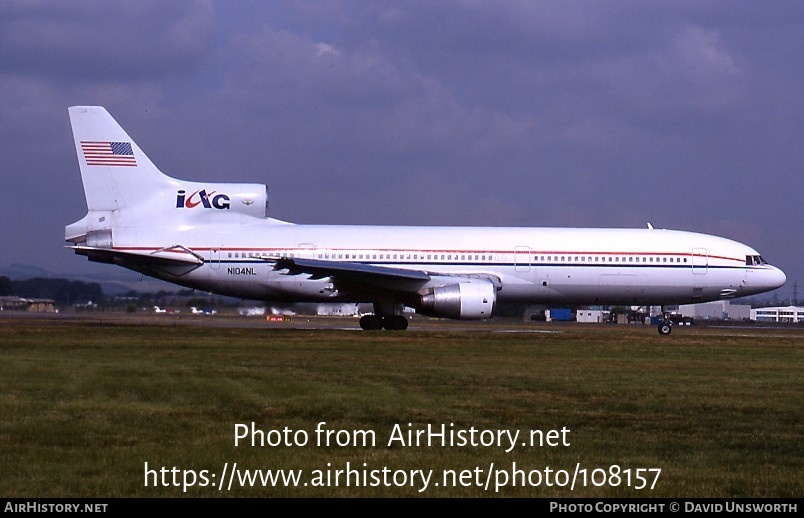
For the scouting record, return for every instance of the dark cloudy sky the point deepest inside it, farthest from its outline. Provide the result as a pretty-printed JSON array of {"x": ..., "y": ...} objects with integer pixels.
[{"x": 685, "y": 114}]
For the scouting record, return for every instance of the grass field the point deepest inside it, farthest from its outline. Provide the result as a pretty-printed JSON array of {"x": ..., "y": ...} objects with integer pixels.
[{"x": 95, "y": 409}]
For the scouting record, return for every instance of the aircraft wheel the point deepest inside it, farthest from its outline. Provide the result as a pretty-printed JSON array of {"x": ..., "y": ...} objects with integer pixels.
[
  {"x": 403, "y": 323},
  {"x": 395, "y": 323},
  {"x": 370, "y": 322},
  {"x": 389, "y": 323},
  {"x": 665, "y": 328}
]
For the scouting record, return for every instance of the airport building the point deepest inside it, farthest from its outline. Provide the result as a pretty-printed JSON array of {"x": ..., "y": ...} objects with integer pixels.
[
  {"x": 717, "y": 310},
  {"x": 350, "y": 310},
  {"x": 786, "y": 314},
  {"x": 23, "y": 304},
  {"x": 594, "y": 316}
]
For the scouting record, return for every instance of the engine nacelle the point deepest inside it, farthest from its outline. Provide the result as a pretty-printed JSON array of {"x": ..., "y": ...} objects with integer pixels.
[
  {"x": 464, "y": 301},
  {"x": 242, "y": 198}
]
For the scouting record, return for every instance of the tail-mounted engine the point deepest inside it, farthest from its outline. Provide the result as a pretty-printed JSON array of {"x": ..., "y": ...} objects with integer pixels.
[{"x": 241, "y": 198}]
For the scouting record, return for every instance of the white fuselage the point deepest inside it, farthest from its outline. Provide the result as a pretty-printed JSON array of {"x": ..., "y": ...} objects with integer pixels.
[{"x": 534, "y": 265}]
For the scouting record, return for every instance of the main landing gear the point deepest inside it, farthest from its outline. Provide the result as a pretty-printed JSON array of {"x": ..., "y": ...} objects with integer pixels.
[
  {"x": 390, "y": 322},
  {"x": 387, "y": 315}
]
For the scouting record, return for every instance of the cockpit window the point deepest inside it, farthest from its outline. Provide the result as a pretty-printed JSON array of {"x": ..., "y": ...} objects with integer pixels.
[{"x": 754, "y": 260}]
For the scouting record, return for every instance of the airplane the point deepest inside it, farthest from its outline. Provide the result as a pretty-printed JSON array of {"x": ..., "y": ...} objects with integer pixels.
[
  {"x": 219, "y": 238},
  {"x": 205, "y": 311}
]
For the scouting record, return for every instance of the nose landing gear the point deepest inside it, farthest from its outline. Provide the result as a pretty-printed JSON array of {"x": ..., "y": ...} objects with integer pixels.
[{"x": 666, "y": 325}]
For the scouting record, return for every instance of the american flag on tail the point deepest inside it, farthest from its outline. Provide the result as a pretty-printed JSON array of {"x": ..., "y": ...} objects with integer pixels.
[{"x": 108, "y": 153}]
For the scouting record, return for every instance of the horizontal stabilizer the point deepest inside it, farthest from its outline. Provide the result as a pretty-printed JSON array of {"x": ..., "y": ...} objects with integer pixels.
[{"x": 171, "y": 256}]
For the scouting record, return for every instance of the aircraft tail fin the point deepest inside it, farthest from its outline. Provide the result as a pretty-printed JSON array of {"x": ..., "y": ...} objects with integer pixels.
[
  {"x": 124, "y": 188},
  {"x": 115, "y": 171}
]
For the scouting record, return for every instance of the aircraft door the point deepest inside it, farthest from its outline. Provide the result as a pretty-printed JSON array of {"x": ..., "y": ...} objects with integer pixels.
[
  {"x": 700, "y": 260},
  {"x": 522, "y": 258},
  {"x": 215, "y": 258},
  {"x": 307, "y": 250}
]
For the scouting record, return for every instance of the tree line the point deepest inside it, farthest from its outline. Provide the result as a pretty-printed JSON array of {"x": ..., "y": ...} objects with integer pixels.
[
  {"x": 60, "y": 291},
  {"x": 65, "y": 292}
]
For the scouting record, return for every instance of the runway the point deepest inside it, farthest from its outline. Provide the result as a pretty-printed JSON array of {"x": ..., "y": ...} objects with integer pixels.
[
  {"x": 349, "y": 323},
  {"x": 340, "y": 323}
]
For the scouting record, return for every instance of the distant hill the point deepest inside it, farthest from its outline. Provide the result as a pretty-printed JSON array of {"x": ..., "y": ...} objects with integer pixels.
[
  {"x": 18, "y": 271},
  {"x": 115, "y": 282}
]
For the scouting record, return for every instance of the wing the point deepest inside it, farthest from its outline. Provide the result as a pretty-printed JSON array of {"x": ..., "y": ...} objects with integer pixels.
[
  {"x": 346, "y": 274},
  {"x": 464, "y": 295},
  {"x": 351, "y": 271}
]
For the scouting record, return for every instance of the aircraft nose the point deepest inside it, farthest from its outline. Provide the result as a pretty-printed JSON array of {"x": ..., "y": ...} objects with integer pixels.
[
  {"x": 776, "y": 278},
  {"x": 764, "y": 279}
]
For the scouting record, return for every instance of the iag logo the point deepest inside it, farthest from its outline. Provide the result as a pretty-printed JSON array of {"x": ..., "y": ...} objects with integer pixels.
[{"x": 201, "y": 197}]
